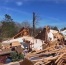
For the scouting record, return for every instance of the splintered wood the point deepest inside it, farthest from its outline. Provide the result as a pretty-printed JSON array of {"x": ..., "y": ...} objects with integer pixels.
[{"x": 54, "y": 54}]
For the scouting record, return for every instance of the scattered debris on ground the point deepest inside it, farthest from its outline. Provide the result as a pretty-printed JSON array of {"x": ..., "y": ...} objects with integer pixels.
[{"x": 36, "y": 50}]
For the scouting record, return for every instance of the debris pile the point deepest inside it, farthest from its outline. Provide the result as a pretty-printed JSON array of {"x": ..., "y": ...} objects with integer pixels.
[
  {"x": 46, "y": 48},
  {"x": 52, "y": 55}
]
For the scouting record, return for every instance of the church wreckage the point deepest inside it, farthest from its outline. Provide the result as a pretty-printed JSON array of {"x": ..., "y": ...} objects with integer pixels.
[{"x": 48, "y": 47}]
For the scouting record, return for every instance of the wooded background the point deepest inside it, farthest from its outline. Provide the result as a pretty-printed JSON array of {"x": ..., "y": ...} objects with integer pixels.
[{"x": 9, "y": 27}]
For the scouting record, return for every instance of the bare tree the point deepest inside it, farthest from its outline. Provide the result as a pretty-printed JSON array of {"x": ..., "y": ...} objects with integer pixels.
[
  {"x": 25, "y": 24},
  {"x": 35, "y": 22},
  {"x": 0, "y": 24}
]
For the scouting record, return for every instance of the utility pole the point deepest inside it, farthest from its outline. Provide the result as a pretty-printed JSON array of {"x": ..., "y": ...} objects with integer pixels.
[{"x": 34, "y": 18}]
